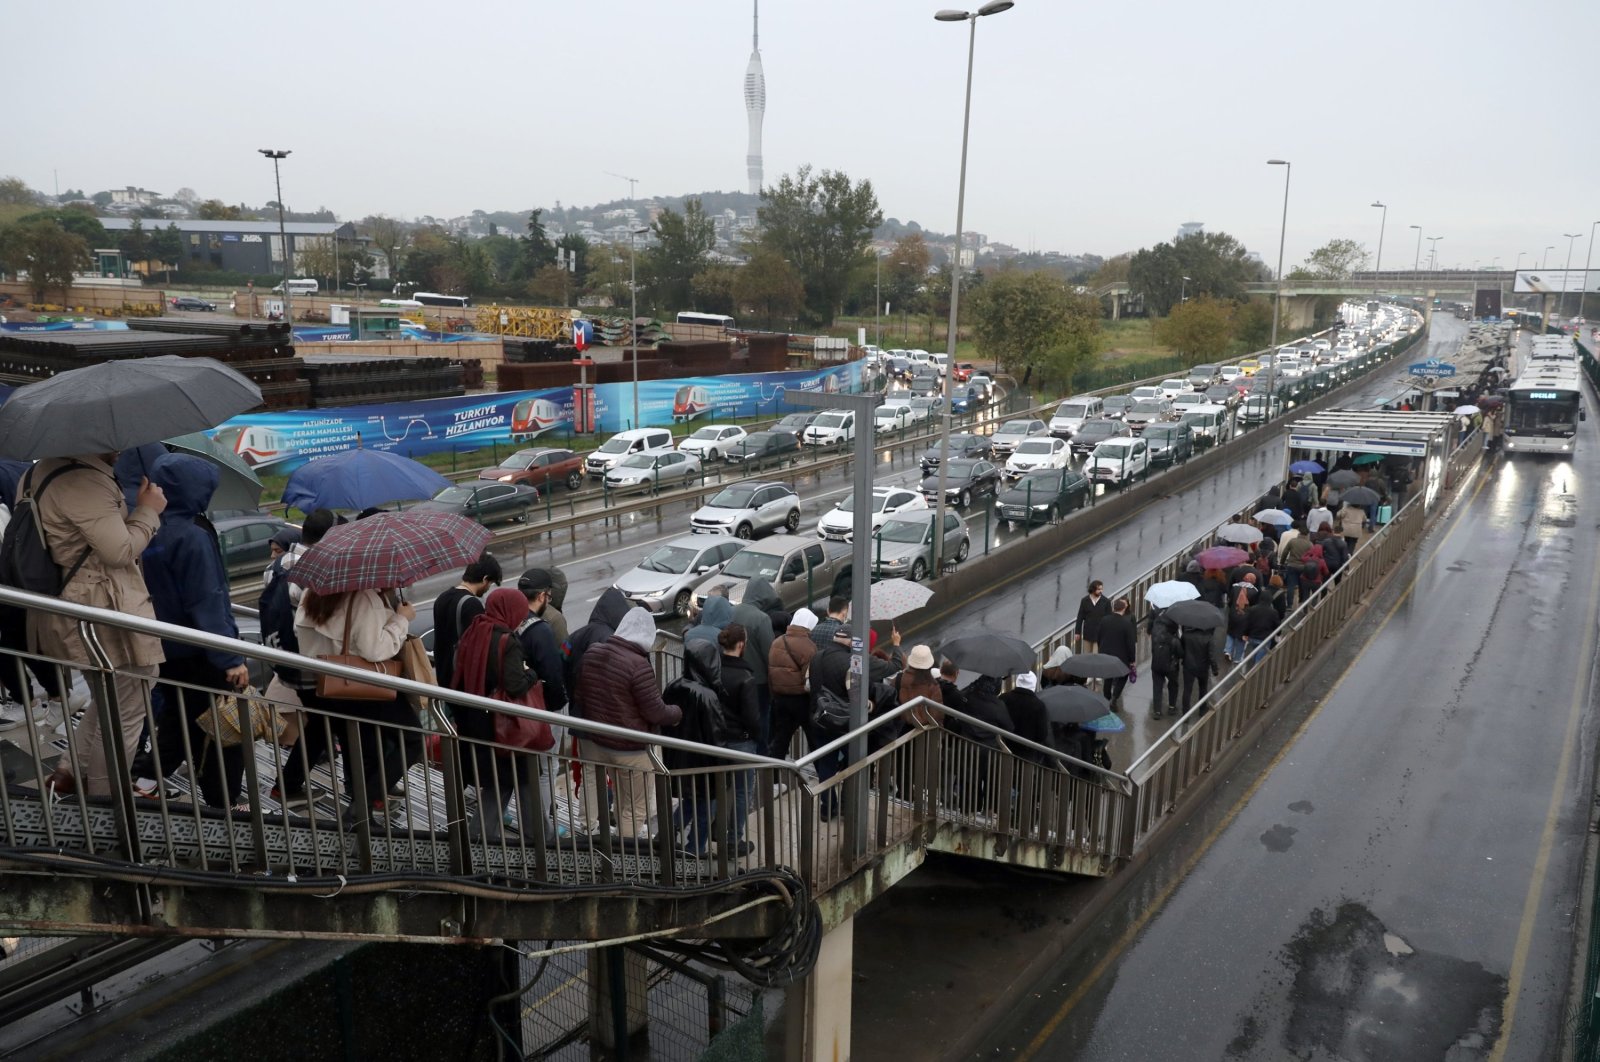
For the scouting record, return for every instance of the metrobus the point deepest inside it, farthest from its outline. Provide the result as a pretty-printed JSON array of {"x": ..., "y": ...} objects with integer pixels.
[
  {"x": 431, "y": 298},
  {"x": 1543, "y": 407},
  {"x": 715, "y": 320},
  {"x": 400, "y": 304}
]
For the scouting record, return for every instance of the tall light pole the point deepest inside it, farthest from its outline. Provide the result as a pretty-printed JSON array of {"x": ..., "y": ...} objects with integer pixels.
[
  {"x": 877, "y": 305},
  {"x": 993, "y": 7},
  {"x": 283, "y": 235},
  {"x": 1378, "y": 266},
  {"x": 1566, "y": 273},
  {"x": 1433, "y": 253},
  {"x": 1416, "y": 261},
  {"x": 1544, "y": 263},
  {"x": 1183, "y": 291},
  {"x": 1277, "y": 301},
  {"x": 633, "y": 325},
  {"x": 1588, "y": 255}
]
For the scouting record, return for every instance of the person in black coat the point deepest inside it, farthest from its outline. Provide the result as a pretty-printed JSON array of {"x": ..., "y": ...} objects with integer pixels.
[
  {"x": 1166, "y": 662},
  {"x": 1260, "y": 620},
  {"x": 1202, "y": 661},
  {"x": 1119, "y": 638},
  {"x": 1029, "y": 719},
  {"x": 1094, "y": 608}
]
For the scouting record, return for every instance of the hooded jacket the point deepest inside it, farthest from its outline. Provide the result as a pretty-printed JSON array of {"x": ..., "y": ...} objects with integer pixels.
[
  {"x": 696, "y": 694},
  {"x": 741, "y": 719},
  {"x": 183, "y": 567},
  {"x": 789, "y": 661},
  {"x": 717, "y": 614},
  {"x": 1029, "y": 719},
  {"x": 617, "y": 685},
  {"x": 754, "y": 612},
  {"x": 554, "y": 613},
  {"x": 603, "y": 620}
]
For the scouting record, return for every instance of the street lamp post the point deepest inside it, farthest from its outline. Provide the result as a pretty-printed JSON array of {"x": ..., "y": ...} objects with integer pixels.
[
  {"x": 1416, "y": 261},
  {"x": 1377, "y": 267},
  {"x": 1566, "y": 273},
  {"x": 1583, "y": 284},
  {"x": 1544, "y": 263},
  {"x": 283, "y": 236},
  {"x": 1183, "y": 291},
  {"x": 633, "y": 325},
  {"x": 993, "y": 7},
  {"x": 877, "y": 305},
  {"x": 1277, "y": 302},
  {"x": 1433, "y": 253}
]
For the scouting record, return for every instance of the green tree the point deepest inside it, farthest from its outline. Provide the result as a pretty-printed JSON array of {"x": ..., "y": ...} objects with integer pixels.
[
  {"x": 905, "y": 272},
  {"x": 80, "y": 221},
  {"x": 1201, "y": 328},
  {"x": 135, "y": 243},
  {"x": 389, "y": 236},
  {"x": 505, "y": 258},
  {"x": 48, "y": 252},
  {"x": 15, "y": 192},
  {"x": 166, "y": 247},
  {"x": 1252, "y": 324},
  {"x": 608, "y": 273},
  {"x": 550, "y": 286},
  {"x": 217, "y": 210},
  {"x": 1336, "y": 260},
  {"x": 1034, "y": 321},
  {"x": 769, "y": 287},
  {"x": 822, "y": 223},
  {"x": 1215, "y": 263},
  {"x": 682, "y": 242},
  {"x": 712, "y": 288},
  {"x": 537, "y": 250},
  {"x": 576, "y": 247},
  {"x": 1114, "y": 271}
]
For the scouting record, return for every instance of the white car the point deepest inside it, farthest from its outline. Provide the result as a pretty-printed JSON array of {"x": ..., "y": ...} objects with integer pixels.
[
  {"x": 1171, "y": 389},
  {"x": 888, "y": 419},
  {"x": 833, "y": 427},
  {"x": 1183, "y": 403},
  {"x": 1038, "y": 453},
  {"x": 653, "y": 468},
  {"x": 1140, "y": 393},
  {"x": 1229, "y": 373},
  {"x": 1322, "y": 344},
  {"x": 1118, "y": 461},
  {"x": 982, "y": 380},
  {"x": 920, "y": 410},
  {"x": 712, "y": 442},
  {"x": 838, "y": 524}
]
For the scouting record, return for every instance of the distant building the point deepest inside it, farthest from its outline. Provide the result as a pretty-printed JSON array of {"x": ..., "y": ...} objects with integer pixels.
[
  {"x": 132, "y": 196},
  {"x": 247, "y": 246},
  {"x": 1190, "y": 228},
  {"x": 755, "y": 104}
]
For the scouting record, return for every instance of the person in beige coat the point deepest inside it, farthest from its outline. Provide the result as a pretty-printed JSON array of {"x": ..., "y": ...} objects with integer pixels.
[{"x": 83, "y": 515}]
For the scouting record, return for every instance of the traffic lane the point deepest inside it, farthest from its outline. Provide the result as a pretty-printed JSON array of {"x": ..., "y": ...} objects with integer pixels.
[{"x": 1368, "y": 900}]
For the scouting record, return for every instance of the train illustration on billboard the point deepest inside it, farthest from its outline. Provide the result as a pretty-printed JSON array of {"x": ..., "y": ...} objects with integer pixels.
[
  {"x": 532, "y": 417},
  {"x": 690, "y": 402}
]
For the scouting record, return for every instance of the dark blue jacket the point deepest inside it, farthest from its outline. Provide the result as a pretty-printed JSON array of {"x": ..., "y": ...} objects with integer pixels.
[{"x": 183, "y": 566}]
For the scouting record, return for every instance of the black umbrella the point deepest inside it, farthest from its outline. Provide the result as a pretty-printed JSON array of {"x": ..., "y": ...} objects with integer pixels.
[
  {"x": 1359, "y": 496},
  {"x": 989, "y": 653},
  {"x": 1196, "y": 615},
  {"x": 1073, "y": 704},
  {"x": 1343, "y": 478},
  {"x": 1095, "y": 666},
  {"x": 120, "y": 404}
]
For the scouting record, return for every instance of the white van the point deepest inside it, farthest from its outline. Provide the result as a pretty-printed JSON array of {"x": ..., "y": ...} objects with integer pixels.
[
  {"x": 1072, "y": 412},
  {"x": 1207, "y": 424},
  {"x": 298, "y": 287},
  {"x": 919, "y": 356},
  {"x": 940, "y": 362},
  {"x": 625, "y": 444},
  {"x": 833, "y": 427}
]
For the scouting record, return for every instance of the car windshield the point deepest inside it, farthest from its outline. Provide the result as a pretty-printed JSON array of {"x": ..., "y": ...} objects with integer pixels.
[
  {"x": 455, "y": 495},
  {"x": 1160, "y": 431},
  {"x": 517, "y": 462},
  {"x": 1100, "y": 427},
  {"x": 707, "y": 433},
  {"x": 1075, "y": 410},
  {"x": 1015, "y": 427},
  {"x": 905, "y": 531},
  {"x": 1115, "y": 450},
  {"x": 889, "y": 412},
  {"x": 878, "y": 502},
  {"x": 1116, "y": 403},
  {"x": 1147, "y": 406},
  {"x": 1037, "y": 446},
  {"x": 1189, "y": 400},
  {"x": 1037, "y": 482},
  {"x": 733, "y": 498},
  {"x": 751, "y": 564},
  {"x": 639, "y": 461},
  {"x": 1196, "y": 418},
  {"x": 756, "y": 441},
  {"x": 828, "y": 420},
  {"x": 674, "y": 560},
  {"x": 615, "y": 446},
  {"x": 962, "y": 469}
]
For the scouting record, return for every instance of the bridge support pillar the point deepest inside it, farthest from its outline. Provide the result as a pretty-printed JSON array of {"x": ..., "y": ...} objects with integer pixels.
[
  {"x": 818, "y": 1008},
  {"x": 619, "y": 982}
]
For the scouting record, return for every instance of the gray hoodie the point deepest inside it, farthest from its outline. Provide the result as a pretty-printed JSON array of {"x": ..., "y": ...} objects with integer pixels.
[{"x": 754, "y": 613}]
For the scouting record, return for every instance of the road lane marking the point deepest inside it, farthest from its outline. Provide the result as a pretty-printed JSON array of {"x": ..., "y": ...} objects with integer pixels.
[{"x": 1161, "y": 899}]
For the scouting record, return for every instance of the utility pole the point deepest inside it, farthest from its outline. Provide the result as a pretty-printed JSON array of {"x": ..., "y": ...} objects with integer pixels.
[{"x": 283, "y": 235}]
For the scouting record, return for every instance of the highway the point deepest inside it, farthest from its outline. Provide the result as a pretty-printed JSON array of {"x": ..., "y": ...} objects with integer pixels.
[{"x": 1400, "y": 881}]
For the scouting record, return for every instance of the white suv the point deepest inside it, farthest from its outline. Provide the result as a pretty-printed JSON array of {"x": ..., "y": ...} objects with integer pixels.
[
  {"x": 833, "y": 427},
  {"x": 713, "y": 442},
  {"x": 1118, "y": 461}
]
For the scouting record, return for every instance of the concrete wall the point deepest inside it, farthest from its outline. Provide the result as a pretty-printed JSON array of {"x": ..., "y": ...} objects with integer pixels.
[
  {"x": 89, "y": 298},
  {"x": 487, "y": 352}
]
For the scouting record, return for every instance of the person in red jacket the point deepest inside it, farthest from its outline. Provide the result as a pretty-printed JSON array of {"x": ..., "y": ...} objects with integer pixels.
[{"x": 617, "y": 685}]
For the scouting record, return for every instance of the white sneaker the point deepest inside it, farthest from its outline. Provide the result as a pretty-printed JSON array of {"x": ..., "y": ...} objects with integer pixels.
[
  {"x": 77, "y": 700},
  {"x": 12, "y": 714}
]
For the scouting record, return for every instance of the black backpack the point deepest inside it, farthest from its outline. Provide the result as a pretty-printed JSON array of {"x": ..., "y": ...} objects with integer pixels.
[
  {"x": 277, "y": 624},
  {"x": 25, "y": 560}
]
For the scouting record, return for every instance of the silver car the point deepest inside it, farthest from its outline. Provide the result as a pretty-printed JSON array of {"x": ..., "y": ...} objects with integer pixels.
[
  {"x": 746, "y": 508},
  {"x": 903, "y": 546},
  {"x": 664, "y": 581},
  {"x": 653, "y": 468},
  {"x": 1012, "y": 432}
]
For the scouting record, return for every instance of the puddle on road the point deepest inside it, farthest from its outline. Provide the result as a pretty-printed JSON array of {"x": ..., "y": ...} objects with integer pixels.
[
  {"x": 1280, "y": 838},
  {"x": 1361, "y": 993}
]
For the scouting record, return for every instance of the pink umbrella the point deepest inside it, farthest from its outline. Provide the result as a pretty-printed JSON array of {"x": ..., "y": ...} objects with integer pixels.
[{"x": 1215, "y": 557}]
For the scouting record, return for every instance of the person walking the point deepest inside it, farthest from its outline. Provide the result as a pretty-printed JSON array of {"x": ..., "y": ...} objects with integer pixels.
[
  {"x": 838, "y": 616},
  {"x": 1029, "y": 717},
  {"x": 97, "y": 542},
  {"x": 1352, "y": 521},
  {"x": 454, "y": 611},
  {"x": 617, "y": 685},
  {"x": 1202, "y": 661},
  {"x": 1166, "y": 659},
  {"x": 1091, "y": 610},
  {"x": 1119, "y": 638},
  {"x": 789, "y": 674},
  {"x": 741, "y": 723},
  {"x": 603, "y": 620},
  {"x": 541, "y": 650},
  {"x": 921, "y": 679}
]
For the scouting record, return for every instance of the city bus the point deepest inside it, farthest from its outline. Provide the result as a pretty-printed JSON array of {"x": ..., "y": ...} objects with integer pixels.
[
  {"x": 431, "y": 298},
  {"x": 1543, "y": 407},
  {"x": 715, "y": 320}
]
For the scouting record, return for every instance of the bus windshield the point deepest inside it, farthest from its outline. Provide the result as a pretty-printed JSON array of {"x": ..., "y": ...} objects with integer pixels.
[{"x": 1536, "y": 410}]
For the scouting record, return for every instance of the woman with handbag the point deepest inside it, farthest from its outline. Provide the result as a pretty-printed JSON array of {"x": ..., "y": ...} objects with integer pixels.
[
  {"x": 490, "y": 663},
  {"x": 358, "y": 628}
]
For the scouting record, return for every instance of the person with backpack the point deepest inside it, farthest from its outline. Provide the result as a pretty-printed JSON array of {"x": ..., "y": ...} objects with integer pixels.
[
  {"x": 1165, "y": 661},
  {"x": 789, "y": 673},
  {"x": 456, "y": 608},
  {"x": 89, "y": 550}
]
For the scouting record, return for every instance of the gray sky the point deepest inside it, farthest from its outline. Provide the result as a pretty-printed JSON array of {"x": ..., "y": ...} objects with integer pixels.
[{"x": 1096, "y": 126}]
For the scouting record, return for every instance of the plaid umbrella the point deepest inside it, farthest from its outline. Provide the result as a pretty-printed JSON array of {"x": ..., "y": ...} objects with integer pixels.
[{"x": 389, "y": 550}]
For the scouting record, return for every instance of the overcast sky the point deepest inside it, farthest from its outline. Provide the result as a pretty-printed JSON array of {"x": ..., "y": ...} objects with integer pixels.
[{"x": 1097, "y": 126}]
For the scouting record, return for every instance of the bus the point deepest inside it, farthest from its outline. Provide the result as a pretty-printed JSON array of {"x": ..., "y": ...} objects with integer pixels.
[
  {"x": 715, "y": 320},
  {"x": 1543, "y": 407},
  {"x": 431, "y": 298},
  {"x": 303, "y": 286},
  {"x": 400, "y": 304}
]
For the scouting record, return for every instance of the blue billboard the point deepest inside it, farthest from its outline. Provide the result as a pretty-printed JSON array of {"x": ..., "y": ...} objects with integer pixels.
[{"x": 282, "y": 441}]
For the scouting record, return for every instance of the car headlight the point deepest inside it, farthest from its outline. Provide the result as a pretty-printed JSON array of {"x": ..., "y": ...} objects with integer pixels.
[
  {"x": 654, "y": 595},
  {"x": 505, "y": 479},
  {"x": 1042, "y": 506}
]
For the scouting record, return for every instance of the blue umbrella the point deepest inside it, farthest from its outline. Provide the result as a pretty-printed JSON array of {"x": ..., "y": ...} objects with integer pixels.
[
  {"x": 359, "y": 479},
  {"x": 1303, "y": 467},
  {"x": 1106, "y": 724}
]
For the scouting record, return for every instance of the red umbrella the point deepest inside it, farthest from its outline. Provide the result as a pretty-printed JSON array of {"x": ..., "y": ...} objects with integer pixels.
[
  {"x": 1215, "y": 557},
  {"x": 389, "y": 550}
]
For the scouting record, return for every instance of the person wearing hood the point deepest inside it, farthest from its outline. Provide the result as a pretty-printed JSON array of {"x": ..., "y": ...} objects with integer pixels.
[
  {"x": 742, "y": 721},
  {"x": 789, "y": 675},
  {"x": 617, "y": 685},
  {"x": 603, "y": 620},
  {"x": 717, "y": 614},
  {"x": 134, "y": 465},
  {"x": 1052, "y": 675},
  {"x": 188, "y": 584},
  {"x": 697, "y": 694},
  {"x": 1029, "y": 718},
  {"x": 754, "y": 614}
]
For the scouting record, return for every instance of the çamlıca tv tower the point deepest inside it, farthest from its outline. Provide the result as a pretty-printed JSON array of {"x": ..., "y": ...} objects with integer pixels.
[{"x": 755, "y": 103}]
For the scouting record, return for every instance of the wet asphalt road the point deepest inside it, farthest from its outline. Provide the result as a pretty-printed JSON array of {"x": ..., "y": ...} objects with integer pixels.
[{"x": 1403, "y": 883}]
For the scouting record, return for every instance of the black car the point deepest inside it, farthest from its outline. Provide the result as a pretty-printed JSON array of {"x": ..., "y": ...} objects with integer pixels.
[
  {"x": 967, "y": 479},
  {"x": 487, "y": 503},
  {"x": 247, "y": 541},
  {"x": 962, "y": 445},
  {"x": 899, "y": 367},
  {"x": 1223, "y": 395},
  {"x": 926, "y": 383},
  {"x": 189, "y": 302},
  {"x": 1095, "y": 432},
  {"x": 1042, "y": 495},
  {"x": 764, "y": 447},
  {"x": 1170, "y": 444},
  {"x": 796, "y": 423}
]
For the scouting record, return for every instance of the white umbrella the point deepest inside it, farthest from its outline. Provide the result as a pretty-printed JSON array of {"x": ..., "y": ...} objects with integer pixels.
[
  {"x": 1466, "y": 411},
  {"x": 895, "y": 597},
  {"x": 1240, "y": 534},
  {"x": 1276, "y": 517},
  {"x": 1165, "y": 595}
]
